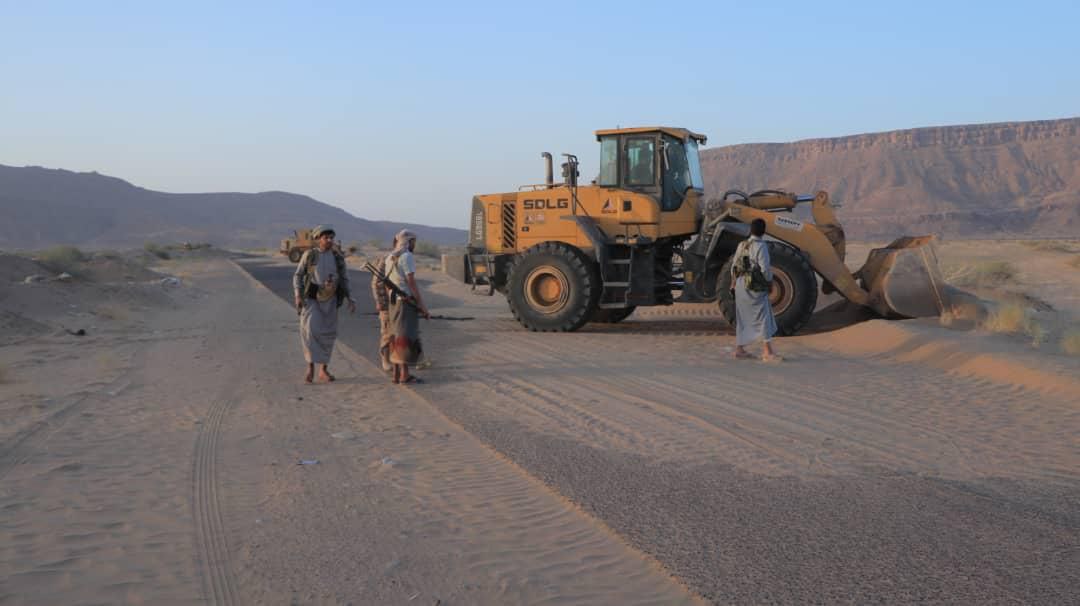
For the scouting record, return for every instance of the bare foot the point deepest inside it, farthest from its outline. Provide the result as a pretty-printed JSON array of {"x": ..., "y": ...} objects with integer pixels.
[
  {"x": 772, "y": 358},
  {"x": 324, "y": 375},
  {"x": 743, "y": 355},
  {"x": 309, "y": 376}
]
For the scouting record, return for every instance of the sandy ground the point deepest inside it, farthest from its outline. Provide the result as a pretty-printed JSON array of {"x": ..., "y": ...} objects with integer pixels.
[{"x": 155, "y": 459}]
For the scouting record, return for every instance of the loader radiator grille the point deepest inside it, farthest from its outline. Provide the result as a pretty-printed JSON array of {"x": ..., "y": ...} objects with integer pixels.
[{"x": 509, "y": 225}]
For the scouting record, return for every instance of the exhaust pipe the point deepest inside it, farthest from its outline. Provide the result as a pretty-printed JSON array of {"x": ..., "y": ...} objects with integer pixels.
[{"x": 549, "y": 178}]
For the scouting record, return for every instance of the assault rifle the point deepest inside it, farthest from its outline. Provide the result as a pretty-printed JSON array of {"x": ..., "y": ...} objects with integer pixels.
[{"x": 389, "y": 284}]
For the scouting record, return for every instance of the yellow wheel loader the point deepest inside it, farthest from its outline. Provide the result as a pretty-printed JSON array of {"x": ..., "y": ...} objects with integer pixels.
[{"x": 644, "y": 234}]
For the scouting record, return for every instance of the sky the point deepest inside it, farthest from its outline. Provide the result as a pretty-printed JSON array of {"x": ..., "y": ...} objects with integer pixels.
[{"x": 403, "y": 111}]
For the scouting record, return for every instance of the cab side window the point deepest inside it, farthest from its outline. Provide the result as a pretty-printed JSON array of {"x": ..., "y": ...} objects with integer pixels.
[
  {"x": 640, "y": 168},
  {"x": 609, "y": 162}
]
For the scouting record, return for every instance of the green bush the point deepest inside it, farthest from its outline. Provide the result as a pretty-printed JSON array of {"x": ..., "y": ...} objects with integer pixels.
[{"x": 61, "y": 258}]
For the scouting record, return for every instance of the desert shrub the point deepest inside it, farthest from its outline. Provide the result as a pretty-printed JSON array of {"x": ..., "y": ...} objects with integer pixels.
[
  {"x": 1075, "y": 262},
  {"x": 111, "y": 312},
  {"x": 1037, "y": 332},
  {"x": 375, "y": 243},
  {"x": 1007, "y": 318},
  {"x": 1070, "y": 341},
  {"x": 428, "y": 249},
  {"x": 986, "y": 273},
  {"x": 995, "y": 272},
  {"x": 1049, "y": 245},
  {"x": 157, "y": 250},
  {"x": 61, "y": 258},
  {"x": 1013, "y": 318}
]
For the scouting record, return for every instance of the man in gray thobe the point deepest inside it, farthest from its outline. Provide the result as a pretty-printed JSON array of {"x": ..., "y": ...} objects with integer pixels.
[
  {"x": 320, "y": 285},
  {"x": 753, "y": 312}
]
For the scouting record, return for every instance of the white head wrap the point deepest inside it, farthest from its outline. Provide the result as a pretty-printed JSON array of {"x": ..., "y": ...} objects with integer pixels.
[{"x": 401, "y": 242}]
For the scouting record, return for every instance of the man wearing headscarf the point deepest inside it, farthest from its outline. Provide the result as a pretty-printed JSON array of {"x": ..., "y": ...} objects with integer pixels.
[
  {"x": 320, "y": 286},
  {"x": 751, "y": 273},
  {"x": 403, "y": 322}
]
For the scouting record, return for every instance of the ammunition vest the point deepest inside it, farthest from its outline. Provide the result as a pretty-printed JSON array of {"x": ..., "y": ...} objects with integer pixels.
[{"x": 311, "y": 258}]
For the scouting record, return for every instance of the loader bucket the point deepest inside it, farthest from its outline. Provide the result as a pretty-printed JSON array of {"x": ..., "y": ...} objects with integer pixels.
[{"x": 904, "y": 279}]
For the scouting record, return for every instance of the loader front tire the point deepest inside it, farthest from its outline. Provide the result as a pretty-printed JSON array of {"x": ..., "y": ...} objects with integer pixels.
[
  {"x": 552, "y": 287},
  {"x": 295, "y": 254},
  {"x": 793, "y": 294}
]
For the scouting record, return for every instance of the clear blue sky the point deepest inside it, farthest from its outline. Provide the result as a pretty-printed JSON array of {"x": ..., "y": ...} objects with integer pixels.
[{"x": 404, "y": 110}]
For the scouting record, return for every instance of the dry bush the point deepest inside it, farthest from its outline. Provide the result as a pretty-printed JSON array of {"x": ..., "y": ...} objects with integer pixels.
[
  {"x": 1060, "y": 246},
  {"x": 1075, "y": 262},
  {"x": 428, "y": 249},
  {"x": 985, "y": 273},
  {"x": 1037, "y": 332},
  {"x": 1070, "y": 341},
  {"x": 1008, "y": 318},
  {"x": 994, "y": 272},
  {"x": 61, "y": 258},
  {"x": 1013, "y": 318},
  {"x": 109, "y": 311}
]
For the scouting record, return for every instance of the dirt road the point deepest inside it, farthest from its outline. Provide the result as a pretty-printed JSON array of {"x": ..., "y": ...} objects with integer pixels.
[
  {"x": 155, "y": 460},
  {"x": 834, "y": 477}
]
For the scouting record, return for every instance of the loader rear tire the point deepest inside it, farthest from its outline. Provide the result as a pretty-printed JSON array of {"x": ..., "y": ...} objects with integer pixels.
[
  {"x": 553, "y": 287},
  {"x": 793, "y": 294},
  {"x": 612, "y": 316},
  {"x": 295, "y": 254}
]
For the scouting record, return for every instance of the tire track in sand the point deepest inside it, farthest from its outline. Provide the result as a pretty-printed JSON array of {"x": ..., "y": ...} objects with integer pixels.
[{"x": 219, "y": 585}]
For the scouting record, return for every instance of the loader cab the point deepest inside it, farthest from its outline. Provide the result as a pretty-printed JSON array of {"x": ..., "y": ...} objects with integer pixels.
[{"x": 660, "y": 162}]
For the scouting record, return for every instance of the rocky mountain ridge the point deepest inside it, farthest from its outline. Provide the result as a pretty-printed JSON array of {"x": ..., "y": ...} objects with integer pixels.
[
  {"x": 1020, "y": 179},
  {"x": 41, "y": 207}
]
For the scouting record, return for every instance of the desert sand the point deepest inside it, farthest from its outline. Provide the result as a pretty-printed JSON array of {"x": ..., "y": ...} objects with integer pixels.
[{"x": 157, "y": 457}]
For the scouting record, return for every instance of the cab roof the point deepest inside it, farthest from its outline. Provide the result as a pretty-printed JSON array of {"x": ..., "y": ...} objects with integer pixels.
[{"x": 679, "y": 133}]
